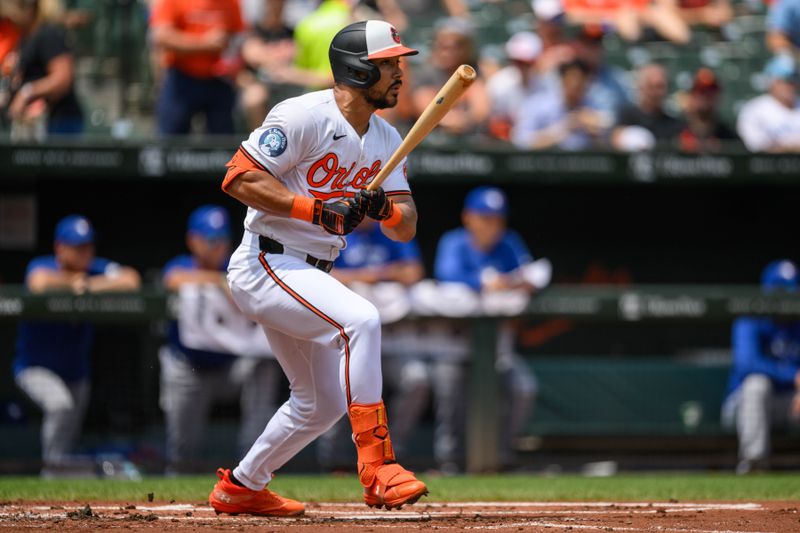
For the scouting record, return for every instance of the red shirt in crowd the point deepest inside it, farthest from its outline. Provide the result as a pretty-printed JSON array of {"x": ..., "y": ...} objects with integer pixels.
[
  {"x": 197, "y": 17},
  {"x": 607, "y": 8}
]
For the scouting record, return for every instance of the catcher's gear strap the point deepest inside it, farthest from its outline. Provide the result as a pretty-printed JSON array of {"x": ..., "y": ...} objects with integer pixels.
[{"x": 240, "y": 163}]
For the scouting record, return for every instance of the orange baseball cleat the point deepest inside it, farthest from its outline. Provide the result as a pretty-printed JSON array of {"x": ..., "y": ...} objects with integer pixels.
[
  {"x": 394, "y": 487},
  {"x": 228, "y": 497}
]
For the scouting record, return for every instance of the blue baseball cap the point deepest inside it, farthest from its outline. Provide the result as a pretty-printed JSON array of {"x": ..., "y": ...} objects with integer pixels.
[
  {"x": 780, "y": 274},
  {"x": 210, "y": 222},
  {"x": 782, "y": 67},
  {"x": 74, "y": 230},
  {"x": 486, "y": 200}
]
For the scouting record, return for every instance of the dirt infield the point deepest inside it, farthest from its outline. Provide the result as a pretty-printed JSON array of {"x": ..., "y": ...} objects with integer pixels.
[{"x": 684, "y": 517}]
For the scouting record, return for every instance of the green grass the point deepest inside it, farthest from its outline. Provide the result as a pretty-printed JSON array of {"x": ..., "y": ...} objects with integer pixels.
[{"x": 639, "y": 487}]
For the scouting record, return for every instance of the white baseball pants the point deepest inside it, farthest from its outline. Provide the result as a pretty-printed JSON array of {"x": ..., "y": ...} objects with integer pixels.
[{"x": 325, "y": 337}]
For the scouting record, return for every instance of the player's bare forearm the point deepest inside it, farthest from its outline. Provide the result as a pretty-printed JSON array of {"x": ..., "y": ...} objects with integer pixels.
[
  {"x": 405, "y": 272},
  {"x": 354, "y": 275},
  {"x": 178, "y": 277},
  {"x": 57, "y": 82},
  {"x": 507, "y": 282},
  {"x": 262, "y": 191},
  {"x": 175, "y": 40},
  {"x": 43, "y": 280},
  {"x": 125, "y": 280},
  {"x": 406, "y": 229}
]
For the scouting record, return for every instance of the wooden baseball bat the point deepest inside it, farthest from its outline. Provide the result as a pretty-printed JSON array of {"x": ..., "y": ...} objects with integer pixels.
[{"x": 450, "y": 92}]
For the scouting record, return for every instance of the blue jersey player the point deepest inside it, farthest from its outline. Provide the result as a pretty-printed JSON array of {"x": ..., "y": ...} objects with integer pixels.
[
  {"x": 486, "y": 256},
  {"x": 52, "y": 363},
  {"x": 764, "y": 385},
  {"x": 370, "y": 257},
  {"x": 193, "y": 378},
  {"x": 484, "y": 253}
]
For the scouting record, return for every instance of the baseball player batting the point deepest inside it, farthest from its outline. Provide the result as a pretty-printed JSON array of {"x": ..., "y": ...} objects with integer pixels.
[{"x": 303, "y": 174}]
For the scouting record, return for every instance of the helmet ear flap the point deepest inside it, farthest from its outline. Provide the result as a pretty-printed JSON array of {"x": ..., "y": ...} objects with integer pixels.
[
  {"x": 353, "y": 68},
  {"x": 370, "y": 75}
]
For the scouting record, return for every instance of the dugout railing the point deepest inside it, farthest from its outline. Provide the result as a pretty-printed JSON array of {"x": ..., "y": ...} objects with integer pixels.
[{"x": 640, "y": 304}]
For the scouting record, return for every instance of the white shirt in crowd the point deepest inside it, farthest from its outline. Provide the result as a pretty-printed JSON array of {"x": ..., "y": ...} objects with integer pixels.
[{"x": 508, "y": 90}]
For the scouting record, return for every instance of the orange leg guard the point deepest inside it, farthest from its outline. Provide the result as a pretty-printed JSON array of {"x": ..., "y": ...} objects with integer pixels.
[{"x": 385, "y": 482}]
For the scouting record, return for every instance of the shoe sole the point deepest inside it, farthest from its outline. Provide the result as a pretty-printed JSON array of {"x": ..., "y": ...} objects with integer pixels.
[
  {"x": 300, "y": 513},
  {"x": 232, "y": 511},
  {"x": 411, "y": 500}
]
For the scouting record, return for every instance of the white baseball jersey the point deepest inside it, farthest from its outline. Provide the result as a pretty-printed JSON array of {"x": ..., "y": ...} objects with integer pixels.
[
  {"x": 308, "y": 145},
  {"x": 765, "y": 123}
]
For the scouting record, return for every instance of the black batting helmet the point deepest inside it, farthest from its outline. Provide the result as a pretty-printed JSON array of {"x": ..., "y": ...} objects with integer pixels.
[{"x": 355, "y": 45}]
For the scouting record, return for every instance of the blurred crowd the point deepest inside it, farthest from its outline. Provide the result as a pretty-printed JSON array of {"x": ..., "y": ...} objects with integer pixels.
[{"x": 218, "y": 66}]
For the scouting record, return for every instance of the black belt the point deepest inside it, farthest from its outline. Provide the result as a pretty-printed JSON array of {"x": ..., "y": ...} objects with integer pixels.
[{"x": 271, "y": 246}]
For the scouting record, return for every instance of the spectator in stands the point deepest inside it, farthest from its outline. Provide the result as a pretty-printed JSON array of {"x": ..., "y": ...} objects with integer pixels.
[
  {"x": 10, "y": 33},
  {"x": 11, "y": 13},
  {"x": 512, "y": 85},
  {"x": 372, "y": 263},
  {"x": 53, "y": 364},
  {"x": 783, "y": 28},
  {"x": 78, "y": 13},
  {"x": 268, "y": 51},
  {"x": 704, "y": 131},
  {"x": 610, "y": 86},
  {"x": 648, "y": 119},
  {"x": 313, "y": 37},
  {"x": 484, "y": 256},
  {"x": 414, "y": 9},
  {"x": 709, "y": 13},
  {"x": 771, "y": 122},
  {"x": 314, "y": 33},
  {"x": 764, "y": 385},
  {"x": 388, "y": 10},
  {"x": 550, "y": 24},
  {"x": 42, "y": 73},
  {"x": 192, "y": 378},
  {"x": 630, "y": 17},
  {"x": 453, "y": 45},
  {"x": 563, "y": 118},
  {"x": 200, "y": 58}
]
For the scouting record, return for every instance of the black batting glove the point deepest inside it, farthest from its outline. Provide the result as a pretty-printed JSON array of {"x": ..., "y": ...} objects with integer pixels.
[
  {"x": 338, "y": 218},
  {"x": 375, "y": 204}
]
